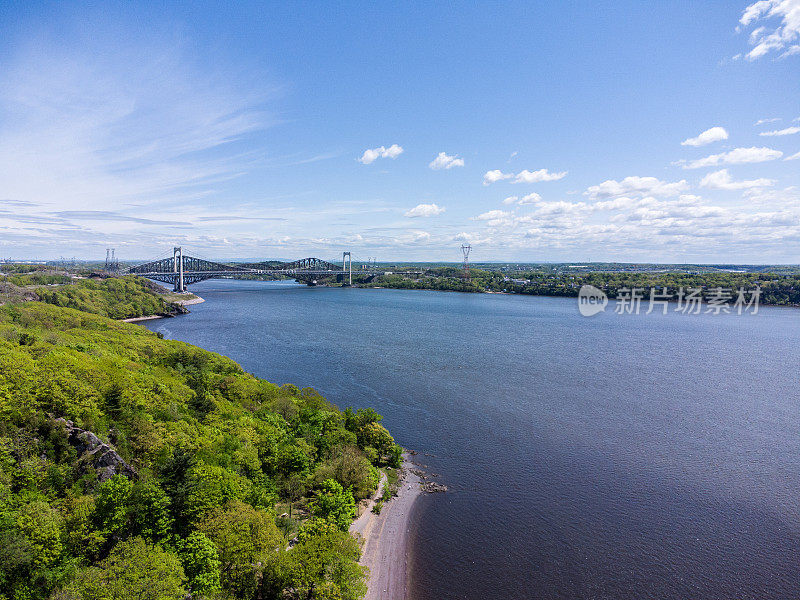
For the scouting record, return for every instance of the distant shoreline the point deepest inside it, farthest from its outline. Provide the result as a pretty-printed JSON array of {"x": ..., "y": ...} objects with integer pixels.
[{"x": 188, "y": 302}]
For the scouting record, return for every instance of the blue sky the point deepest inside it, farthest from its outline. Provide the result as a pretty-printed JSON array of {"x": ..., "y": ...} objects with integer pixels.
[{"x": 563, "y": 131}]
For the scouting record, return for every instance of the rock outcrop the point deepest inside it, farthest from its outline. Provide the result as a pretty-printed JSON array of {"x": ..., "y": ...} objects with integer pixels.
[{"x": 95, "y": 452}]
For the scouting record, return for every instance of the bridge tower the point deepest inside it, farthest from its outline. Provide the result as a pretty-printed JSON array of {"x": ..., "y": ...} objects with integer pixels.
[
  {"x": 177, "y": 268},
  {"x": 349, "y": 268}
]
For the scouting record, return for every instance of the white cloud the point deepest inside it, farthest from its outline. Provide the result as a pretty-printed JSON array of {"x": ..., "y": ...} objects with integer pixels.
[
  {"x": 372, "y": 154},
  {"x": 493, "y": 214},
  {"x": 424, "y": 210},
  {"x": 737, "y": 156},
  {"x": 523, "y": 176},
  {"x": 531, "y": 198},
  {"x": 786, "y": 131},
  {"x": 721, "y": 180},
  {"x": 793, "y": 157},
  {"x": 769, "y": 37},
  {"x": 715, "y": 134},
  {"x": 494, "y": 176},
  {"x": 537, "y": 176},
  {"x": 650, "y": 186},
  {"x": 496, "y": 218},
  {"x": 444, "y": 161},
  {"x": 765, "y": 121}
]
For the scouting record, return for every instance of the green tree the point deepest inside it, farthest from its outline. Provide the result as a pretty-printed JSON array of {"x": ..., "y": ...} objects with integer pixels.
[
  {"x": 201, "y": 564},
  {"x": 292, "y": 488},
  {"x": 41, "y": 526},
  {"x": 134, "y": 570},
  {"x": 247, "y": 540},
  {"x": 175, "y": 479},
  {"x": 149, "y": 512},
  {"x": 352, "y": 469},
  {"x": 334, "y": 504},
  {"x": 111, "y": 505},
  {"x": 324, "y": 565}
]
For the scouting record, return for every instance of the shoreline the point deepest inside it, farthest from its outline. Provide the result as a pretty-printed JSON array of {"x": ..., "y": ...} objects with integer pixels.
[
  {"x": 188, "y": 302},
  {"x": 386, "y": 538}
]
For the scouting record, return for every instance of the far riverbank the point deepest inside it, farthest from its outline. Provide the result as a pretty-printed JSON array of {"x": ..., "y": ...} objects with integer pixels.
[{"x": 195, "y": 299}]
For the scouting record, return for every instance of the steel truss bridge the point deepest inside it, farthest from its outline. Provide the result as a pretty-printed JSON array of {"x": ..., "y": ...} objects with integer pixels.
[{"x": 180, "y": 270}]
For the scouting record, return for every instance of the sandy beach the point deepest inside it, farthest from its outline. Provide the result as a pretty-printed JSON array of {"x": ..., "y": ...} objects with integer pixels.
[
  {"x": 188, "y": 302},
  {"x": 386, "y": 539},
  {"x": 137, "y": 319}
]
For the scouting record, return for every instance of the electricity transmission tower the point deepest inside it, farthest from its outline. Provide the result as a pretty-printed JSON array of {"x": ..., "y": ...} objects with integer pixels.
[
  {"x": 111, "y": 261},
  {"x": 465, "y": 248}
]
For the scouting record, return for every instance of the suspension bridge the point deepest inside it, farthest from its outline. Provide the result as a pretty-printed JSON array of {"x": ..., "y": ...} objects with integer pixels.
[{"x": 181, "y": 270}]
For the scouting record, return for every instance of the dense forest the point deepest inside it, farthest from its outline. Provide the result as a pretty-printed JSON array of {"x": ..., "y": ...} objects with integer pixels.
[
  {"x": 781, "y": 290},
  {"x": 137, "y": 467},
  {"x": 114, "y": 297}
]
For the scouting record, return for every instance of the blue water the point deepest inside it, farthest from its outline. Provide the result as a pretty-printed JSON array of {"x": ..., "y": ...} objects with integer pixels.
[{"x": 618, "y": 456}]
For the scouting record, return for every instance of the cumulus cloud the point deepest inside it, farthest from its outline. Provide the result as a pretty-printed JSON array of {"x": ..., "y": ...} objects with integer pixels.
[
  {"x": 737, "y": 156},
  {"x": 722, "y": 180},
  {"x": 634, "y": 185},
  {"x": 445, "y": 161},
  {"x": 531, "y": 198},
  {"x": 524, "y": 176},
  {"x": 496, "y": 218},
  {"x": 715, "y": 134},
  {"x": 372, "y": 154},
  {"x": 494, "y": 176},
  {"x": 768, "y": 37},
  {"x": 424, "y": 210},
  {"x": 537, "y": 176},
  {"x": 786, "y": 131}
]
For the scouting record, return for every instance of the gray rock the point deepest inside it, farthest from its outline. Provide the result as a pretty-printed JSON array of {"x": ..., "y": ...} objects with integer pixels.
[{"x": 95, "y": 452}]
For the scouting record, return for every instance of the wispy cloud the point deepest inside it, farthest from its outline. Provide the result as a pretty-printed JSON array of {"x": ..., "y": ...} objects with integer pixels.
[
  {"x": 769, "y": 37},
  {"x": 103, "y": 215},
  {"x": 88, "y": 128},
  {"x": 780, "y": 132},
  {"x": 738, "y": 156},
  {"x": 103, "y": 132}
]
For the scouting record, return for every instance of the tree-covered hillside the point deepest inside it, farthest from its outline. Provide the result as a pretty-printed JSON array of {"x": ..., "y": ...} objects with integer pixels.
[
  {"x": 115, "y": 297},
  {"x": 137, "y": 467}
]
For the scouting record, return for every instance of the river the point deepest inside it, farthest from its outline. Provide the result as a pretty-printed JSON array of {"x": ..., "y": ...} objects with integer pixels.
[{"x": 613, "y": 457}]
